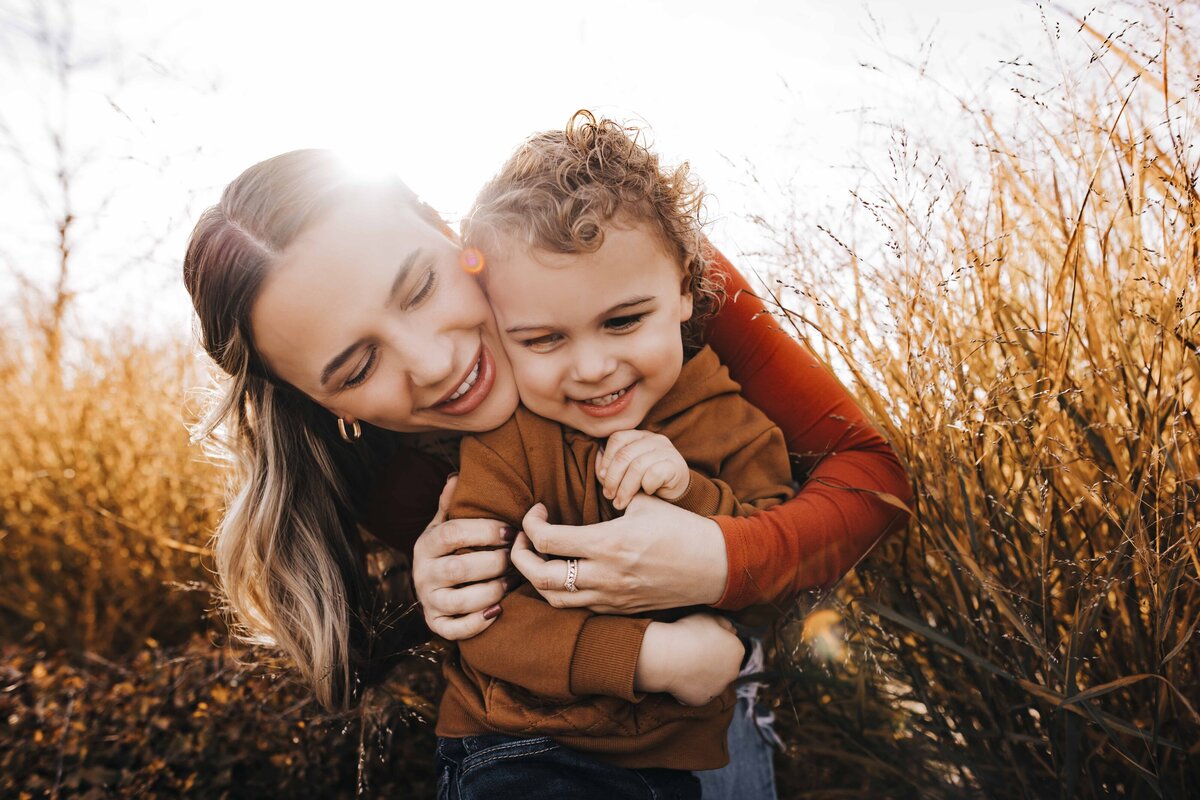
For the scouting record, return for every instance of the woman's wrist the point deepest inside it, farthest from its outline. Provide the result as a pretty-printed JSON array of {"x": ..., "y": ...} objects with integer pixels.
[{"x": 701, "y": 561}]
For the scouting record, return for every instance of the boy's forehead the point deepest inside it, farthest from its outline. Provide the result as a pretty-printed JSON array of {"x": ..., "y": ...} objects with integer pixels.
[
  {"x": 550, "y": 284},
  {"x": 622, "y": 236}
]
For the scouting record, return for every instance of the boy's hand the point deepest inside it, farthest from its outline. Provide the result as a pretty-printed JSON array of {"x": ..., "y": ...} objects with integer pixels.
[
  {"x": 694, "y": 659},
  {"x": 636, "y": 461}
]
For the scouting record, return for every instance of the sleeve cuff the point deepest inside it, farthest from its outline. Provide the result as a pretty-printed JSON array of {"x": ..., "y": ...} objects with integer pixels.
[
  {"x": 737, "y": 588},
  {"x": 606, "y": 656},
  {"x": 701, "y": 497}
]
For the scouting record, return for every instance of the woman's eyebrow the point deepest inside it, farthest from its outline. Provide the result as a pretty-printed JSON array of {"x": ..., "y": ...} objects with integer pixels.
[{"x": 406, "y": 266}]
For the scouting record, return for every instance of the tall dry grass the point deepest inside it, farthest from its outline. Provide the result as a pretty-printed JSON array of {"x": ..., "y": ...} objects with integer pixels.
[
  {"x": 106, "y": 508},
  {"x": 1029, "y": 332}
]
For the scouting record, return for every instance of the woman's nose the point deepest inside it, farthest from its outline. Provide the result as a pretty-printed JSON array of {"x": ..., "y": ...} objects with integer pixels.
[{"x": 428, "y": 359}]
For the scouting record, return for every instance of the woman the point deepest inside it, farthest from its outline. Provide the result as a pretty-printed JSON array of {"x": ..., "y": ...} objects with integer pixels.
[{"x": 344, "y": 314}]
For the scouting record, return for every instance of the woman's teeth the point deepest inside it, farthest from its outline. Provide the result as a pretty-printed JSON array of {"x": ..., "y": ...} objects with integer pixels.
[
  {"x": 607, "y": 399},
  {"x": 467, "y": 384}
]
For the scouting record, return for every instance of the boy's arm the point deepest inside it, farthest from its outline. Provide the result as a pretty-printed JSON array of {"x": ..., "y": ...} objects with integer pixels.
[
  {"x": 748, "y": 460},
  {"x": 555, "y": 653}
]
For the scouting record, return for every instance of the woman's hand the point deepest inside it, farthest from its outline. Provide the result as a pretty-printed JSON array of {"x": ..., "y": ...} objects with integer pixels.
[
  {"x": 655, "y": 556},
  {"x": 459, "y": 588}
]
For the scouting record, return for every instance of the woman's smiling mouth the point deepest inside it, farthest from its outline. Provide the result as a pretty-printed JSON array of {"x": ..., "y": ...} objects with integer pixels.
[{"x": 473, "y": 389}]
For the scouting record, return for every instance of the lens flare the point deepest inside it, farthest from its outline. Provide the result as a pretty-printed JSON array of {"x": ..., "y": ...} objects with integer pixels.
[{"x": 471, "y": 260}]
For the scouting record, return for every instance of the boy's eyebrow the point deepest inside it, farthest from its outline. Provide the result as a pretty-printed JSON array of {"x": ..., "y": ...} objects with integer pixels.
[
  {"x": 637, "y": 301},
  {"x": 337, "y": 361}
]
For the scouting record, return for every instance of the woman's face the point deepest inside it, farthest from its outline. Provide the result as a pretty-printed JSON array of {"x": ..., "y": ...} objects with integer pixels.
[{"x": 369, "y": 313}]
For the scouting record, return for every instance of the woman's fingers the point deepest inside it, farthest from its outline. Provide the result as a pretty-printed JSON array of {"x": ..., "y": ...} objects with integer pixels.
[
  {"x": 474, "y": 598},
  {"x": 470, "y": 567},
  {"x": 558, "y": 540},
  {"x": 533, "y": 565},
  {"x": 579, "y": 599},
  {"x": 458, "y": 628},
  {"x": 444, "y": 500},
  {"x": 449, "y": 537}
]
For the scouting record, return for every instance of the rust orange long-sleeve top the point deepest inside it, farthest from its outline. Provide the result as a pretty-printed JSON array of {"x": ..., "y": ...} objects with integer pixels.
[{"x": 841, "y": 461}]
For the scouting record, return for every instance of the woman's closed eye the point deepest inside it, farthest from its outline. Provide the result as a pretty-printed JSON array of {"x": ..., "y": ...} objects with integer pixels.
[
  {"x": 428, "y": 282},
  {"x": 364, "y": 371}
]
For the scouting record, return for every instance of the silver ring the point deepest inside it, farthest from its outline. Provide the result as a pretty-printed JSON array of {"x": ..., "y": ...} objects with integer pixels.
[{"x": 572, "y": 573}]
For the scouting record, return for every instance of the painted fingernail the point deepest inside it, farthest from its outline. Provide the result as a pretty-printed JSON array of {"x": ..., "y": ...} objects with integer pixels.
[
  {"x": 492, "y": 612},
  {"x": 508, "y": 533}
]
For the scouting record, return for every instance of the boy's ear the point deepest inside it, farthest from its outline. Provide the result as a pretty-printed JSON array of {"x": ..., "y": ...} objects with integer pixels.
[{"x": 685, "y": 307}]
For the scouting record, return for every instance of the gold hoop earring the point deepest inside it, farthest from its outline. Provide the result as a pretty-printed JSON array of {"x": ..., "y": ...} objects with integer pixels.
[{"x": 353, "y": 435}]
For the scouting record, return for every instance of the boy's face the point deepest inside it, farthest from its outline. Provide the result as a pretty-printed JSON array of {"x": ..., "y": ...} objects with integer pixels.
[{"x": 593, "y": 338}]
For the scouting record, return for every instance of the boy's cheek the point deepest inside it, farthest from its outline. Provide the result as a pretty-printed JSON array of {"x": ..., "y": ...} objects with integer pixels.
[{"x": 526, "y": 373}]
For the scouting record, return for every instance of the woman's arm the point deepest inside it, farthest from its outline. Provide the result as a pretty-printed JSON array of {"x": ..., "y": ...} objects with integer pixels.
[
  {"x": 843, "y": 463},
  {"x": 658, "y": 556}
]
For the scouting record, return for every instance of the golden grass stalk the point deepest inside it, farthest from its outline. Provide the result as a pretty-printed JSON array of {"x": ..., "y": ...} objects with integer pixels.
[{"x": 1029, "y": 334}]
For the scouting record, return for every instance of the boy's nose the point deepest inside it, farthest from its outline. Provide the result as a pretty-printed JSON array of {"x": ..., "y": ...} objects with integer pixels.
[{"x": 592, "y": 364}]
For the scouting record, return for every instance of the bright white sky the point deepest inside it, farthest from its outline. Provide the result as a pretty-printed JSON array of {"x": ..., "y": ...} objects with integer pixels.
[{"x": 794, "y": 93}]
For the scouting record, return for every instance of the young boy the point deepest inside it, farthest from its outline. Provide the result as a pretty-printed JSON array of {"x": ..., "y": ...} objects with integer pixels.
[{"x": 595, "y": 272}]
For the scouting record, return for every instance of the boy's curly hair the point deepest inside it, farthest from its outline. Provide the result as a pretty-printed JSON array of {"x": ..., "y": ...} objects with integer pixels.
[{"x": 560, "y": 188}]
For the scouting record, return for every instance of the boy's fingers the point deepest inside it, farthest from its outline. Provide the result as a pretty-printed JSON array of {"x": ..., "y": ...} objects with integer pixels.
[
  {"x": 617, "y": 442},
  {"x": 656, "y": 477},
  {"x": 634, "y": 480},
  {"x": 623, "y": 461}
]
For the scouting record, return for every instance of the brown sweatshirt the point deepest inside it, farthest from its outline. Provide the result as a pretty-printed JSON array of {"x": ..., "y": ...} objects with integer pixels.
[{"x": 568, "y": 673}]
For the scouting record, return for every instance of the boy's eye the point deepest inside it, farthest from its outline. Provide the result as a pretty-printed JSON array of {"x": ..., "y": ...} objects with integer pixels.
[
  {"x": 624, "y": 323},
  {"x": 362, "y": 374},
  {"x": 543, "y": 344}
]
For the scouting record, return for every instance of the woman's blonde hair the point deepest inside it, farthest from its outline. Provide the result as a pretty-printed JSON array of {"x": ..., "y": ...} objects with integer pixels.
[
  {"x": 561, "y": 187},
  {"x": 288, "y": 556}
]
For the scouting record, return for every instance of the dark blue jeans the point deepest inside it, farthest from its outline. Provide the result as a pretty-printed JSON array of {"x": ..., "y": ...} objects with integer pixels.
[{"x": 497, "y": 766}]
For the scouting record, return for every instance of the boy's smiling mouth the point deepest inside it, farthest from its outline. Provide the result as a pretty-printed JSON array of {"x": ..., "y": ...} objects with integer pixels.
[{"x": 606, "y": 405}]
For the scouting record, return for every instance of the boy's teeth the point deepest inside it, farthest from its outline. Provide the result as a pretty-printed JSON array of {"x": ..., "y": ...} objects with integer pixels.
[
  {"x": 606, "y": 399},
  {"x": 467, "y": 384}
]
